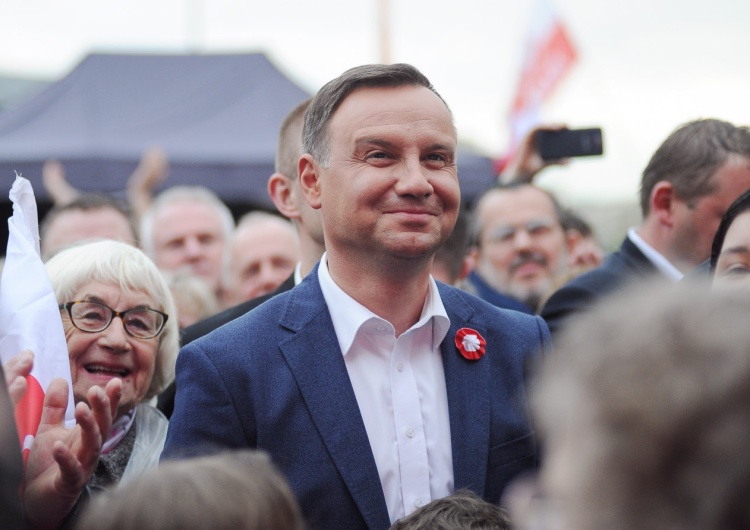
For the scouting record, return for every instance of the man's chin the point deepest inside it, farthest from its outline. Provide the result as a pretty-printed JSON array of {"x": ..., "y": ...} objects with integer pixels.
[
  {"x": 530, "y": 295},
  {"x": 415, "y": 248}
]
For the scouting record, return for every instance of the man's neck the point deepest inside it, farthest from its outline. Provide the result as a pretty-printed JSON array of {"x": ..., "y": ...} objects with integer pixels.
[
  {"x": 658, "y": 238},
  {"x": 310, "y": 252},
  {"x": 394, "y": 291}
]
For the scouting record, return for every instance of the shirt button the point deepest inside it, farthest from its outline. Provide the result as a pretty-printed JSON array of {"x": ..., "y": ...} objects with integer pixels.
[
  {"x": 410, "y": 433},
  {"x": 400, "y": 366},
  {"x": 380, "y": 327},
  {"x": 418, "y": 503}
]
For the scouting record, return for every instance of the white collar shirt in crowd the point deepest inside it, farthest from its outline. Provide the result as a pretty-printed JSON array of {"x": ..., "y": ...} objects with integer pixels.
[
  {"x": 400, "y": 388},
  {"x": 655, "y": 257},
  {"x": 298, "y": 273}
]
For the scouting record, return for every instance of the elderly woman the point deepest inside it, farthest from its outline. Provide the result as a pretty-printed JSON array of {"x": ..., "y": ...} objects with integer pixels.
[
  {"x": 730, "y": 253},
  {"x": 115, "y": 306}
]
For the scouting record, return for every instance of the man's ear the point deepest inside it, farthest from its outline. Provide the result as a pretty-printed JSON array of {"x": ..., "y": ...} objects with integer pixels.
[
  {"x": 281, "y": 191},
  {"x": 572, "y": 238},
  {"x": 467, "y": 265},
  {"x": 309, "y": 180},
  {"x": 471, "y": 258},
  {"x": 662, "y": 202}
]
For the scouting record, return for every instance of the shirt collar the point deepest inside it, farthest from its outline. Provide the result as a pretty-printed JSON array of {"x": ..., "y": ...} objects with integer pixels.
[
  {"x": 655, "y": 257},
  {"x": 348, "y": 315}
]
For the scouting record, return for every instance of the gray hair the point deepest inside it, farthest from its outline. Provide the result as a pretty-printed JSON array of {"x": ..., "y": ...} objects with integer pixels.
[
  {"x": 122, "y": 265},
  {"x": 315, "y": 134},
  {"x": 177, "y": 194}
]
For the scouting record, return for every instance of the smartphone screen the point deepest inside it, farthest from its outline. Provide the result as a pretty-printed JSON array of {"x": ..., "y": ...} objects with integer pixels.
[{"x": 565, "y": 143}]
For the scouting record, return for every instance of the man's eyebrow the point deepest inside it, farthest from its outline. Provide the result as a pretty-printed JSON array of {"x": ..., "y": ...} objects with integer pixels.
[
  {"x": 380, "y": 142},
  {"x": 441, "y": 147}
]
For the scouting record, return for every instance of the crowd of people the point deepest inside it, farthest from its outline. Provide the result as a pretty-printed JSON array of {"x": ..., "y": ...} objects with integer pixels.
[{"x": 381, "y": 354}]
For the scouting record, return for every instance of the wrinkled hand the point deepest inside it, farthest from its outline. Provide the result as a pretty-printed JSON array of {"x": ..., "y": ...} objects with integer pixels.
[
  {"x": 63, "y": 460},
  {"x": 16, "y": 371},
  {"x": 528, "y": 162}
]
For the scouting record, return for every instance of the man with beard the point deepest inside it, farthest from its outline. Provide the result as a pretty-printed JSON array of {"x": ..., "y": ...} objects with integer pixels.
[{"x": 519, "y": 246}]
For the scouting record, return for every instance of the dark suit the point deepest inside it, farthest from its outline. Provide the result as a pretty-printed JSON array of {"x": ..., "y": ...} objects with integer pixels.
[
  {"x": 207, "y": 325},
  {"x": 476, "y": 285},
  {"x": 275, "y": 379},
  {"x": 165, "y": 401},
  {"x": 619, "y": 268}
]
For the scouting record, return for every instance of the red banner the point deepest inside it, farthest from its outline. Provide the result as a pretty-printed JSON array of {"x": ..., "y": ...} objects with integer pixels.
[{"x": 550, "y": 54}]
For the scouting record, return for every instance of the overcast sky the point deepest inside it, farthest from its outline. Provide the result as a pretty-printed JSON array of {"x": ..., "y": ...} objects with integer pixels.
[{"x": 645, "y": 66}]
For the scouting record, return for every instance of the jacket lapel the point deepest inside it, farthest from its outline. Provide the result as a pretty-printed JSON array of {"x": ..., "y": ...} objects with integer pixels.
[
  {"x": 317, "y": 363},
  {"x": 468, "y": 387}
]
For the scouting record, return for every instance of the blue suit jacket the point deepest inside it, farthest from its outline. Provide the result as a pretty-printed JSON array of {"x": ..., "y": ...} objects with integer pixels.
[{"x": 275, "y": 379}]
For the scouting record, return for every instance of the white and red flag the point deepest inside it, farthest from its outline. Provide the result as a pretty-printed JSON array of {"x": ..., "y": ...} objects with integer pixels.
[
  {"x": 29, "y": 314},
  {"x": 548, "y": 55}
]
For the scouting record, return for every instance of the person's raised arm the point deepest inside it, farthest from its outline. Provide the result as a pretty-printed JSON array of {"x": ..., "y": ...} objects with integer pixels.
[
  {"x": 527, "y": 161},
  {"x": 151, "y": 171}
]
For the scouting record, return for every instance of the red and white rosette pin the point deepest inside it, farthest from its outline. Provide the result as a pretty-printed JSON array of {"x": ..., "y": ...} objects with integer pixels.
[{"x": 470, "y": 343}]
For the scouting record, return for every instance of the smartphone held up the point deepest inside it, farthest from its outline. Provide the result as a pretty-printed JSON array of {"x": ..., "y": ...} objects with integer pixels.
[{"x": 566, "y": 143}]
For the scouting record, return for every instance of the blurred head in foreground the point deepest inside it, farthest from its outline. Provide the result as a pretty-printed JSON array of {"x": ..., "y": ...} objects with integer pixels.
[
  {"x": 645, "y": 412},
  {"x": 229, "y": 491}
]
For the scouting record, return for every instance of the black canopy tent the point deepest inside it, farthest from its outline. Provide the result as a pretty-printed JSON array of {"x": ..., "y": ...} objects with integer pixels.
[{"x": 216, "y": 116}]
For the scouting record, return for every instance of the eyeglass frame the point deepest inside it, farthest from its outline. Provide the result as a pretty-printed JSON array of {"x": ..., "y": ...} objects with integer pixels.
[
  {"x": 505, "y": 234},
  {"x": 121, "y": 314}
]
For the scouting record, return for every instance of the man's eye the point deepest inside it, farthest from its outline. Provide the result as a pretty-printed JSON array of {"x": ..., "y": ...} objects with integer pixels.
[
  {"x": 539, "y": 230},
  {"x": 436, "y": 161}
]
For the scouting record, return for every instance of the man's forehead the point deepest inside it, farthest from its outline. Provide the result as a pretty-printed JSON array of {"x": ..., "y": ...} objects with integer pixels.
[
  {"x": 78, "y": 214},
  {"x": 188, "y": 208},
  {"x": 391, "y": 105},
  {"x": 509, "y": 201}
]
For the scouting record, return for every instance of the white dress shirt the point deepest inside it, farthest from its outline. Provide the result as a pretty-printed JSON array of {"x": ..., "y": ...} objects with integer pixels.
[
  {"x": 655, "y": 257},
  {"x": 399, "y": 384},
  {"x": 298, "y": 273}
]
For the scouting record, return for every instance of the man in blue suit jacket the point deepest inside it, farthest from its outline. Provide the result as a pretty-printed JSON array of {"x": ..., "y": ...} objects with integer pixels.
[{"x": 298, "y": 379}]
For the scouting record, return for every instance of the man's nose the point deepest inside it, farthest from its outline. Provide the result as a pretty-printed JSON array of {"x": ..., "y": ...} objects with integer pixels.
[
  {"x": 522, "y": 239},
  {"x": 267, "y": 275},
  {"x": 193, "y": 247},
  {"x": 413, "y": 180}
]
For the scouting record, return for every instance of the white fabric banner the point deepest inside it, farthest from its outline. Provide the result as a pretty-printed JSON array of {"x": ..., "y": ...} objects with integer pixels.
[{"x": 29, "y": 314}]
